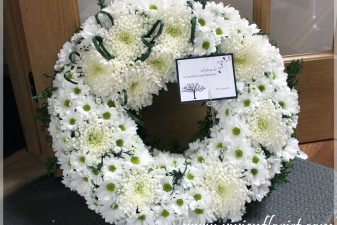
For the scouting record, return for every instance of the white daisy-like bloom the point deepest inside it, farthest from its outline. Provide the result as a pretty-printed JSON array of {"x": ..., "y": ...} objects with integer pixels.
[
  {"x": 95, "y": 139},
  {"x": 288, "y": 101},
  {"x": 251, "y": 55},
  {"x": 228, "y": 191},
  {"x": 267, "y": 127},
  {"x": 139, "y": 191},
  {"x": 205, "y": 44},
  {"x": 111, "y": 212},
  {"x": 290, "y": 151}
]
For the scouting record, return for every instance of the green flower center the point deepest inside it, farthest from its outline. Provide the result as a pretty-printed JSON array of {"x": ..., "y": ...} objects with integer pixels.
[
  {"x": 141, "y": 218},
  {"x": 97, "y": 69},
  {"x": 219, "y": 145},
  {"x": 246, "y": 103},
  {"x": 86, "y": 107},
  {"x": 122, "y": 127},
  {"x": 85, "y": 179},
  {"x": 262, "y": 88},
  {"x": 67, "y": 103},
  {"x": 190, "y": 176},
  {"x": 135, "y": 160},
  {"x": 180, "y": 202},
  {"x": 255, "y": 159},
  {"x": 282, "y": 104},
  {"x": 167, "y": 187},
  {"x": 202, "y": 22},
  {"x": 72, "y": 121},
  {"x": 153, "y": 7},
  {"x": 238, "y": 153},
  {"x": 119, "y": 143},
  {"x": 200, "y": 159},
  {"x": 126, "y": 38},
  {"x": 159, "y": 64},
  {"x": 199, "y": 211},
  {"x": 112, "y": 168},
  {"x": 174, "y": 31},
  {"x": 218, "y": 31},
  {"x": 82, "y": 159},
  {"x": 262, "y": 124},
  {"x": 111, "y": 104},
  {"x": 139, "y": 188},
  {"x": 254, "y": 171},
  {"x": 197, "y": 197},
  {"x": 133, "y": 86},
  {"x": 95, "y": 138},
  {"x": 221, "y": 190},
  {"x": 77, "y": 91},
  {"x": 110, "y": 187},
  {"x": 236, "y": 131},
  {"x": 106, "y": 115},
  {"x": 165, "y": 213},
  {"x": 206, "y": 45}
]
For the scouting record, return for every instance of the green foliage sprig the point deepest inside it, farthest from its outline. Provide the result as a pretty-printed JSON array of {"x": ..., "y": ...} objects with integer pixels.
[
  {"x": 204, "y": 126},
  {"x": 282, "y": 177},
  {"x": 101, "y": 3},
  {"x": 293, "y": 69}
]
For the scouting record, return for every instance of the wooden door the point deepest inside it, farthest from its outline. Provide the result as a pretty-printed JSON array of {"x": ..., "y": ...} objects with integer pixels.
[{"x": 35, "y": 30}]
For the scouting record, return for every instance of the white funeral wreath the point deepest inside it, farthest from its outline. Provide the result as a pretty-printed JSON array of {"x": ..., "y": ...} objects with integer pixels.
[{"x": 113, "y": 66}]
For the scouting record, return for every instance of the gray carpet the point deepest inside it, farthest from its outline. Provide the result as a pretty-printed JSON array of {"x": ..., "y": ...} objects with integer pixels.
[{"x": 307, "y": 197}]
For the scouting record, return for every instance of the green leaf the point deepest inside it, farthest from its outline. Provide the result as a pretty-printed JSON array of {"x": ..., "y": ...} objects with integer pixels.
[
  {"x": 293, "y": 69},
  {"x": 52, "y": 166}
]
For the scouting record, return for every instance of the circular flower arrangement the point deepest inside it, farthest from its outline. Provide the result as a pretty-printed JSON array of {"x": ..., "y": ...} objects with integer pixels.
[{"x": 113, "y": 66}]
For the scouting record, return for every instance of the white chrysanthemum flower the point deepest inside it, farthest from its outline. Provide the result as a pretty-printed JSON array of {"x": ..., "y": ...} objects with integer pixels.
[
  {"x": 95, "y": 139},
  {"x": 101, "y": 75},
  {"x": 267, "y": 127},
  {"x": 139, "y": 191},
  {"x": 228, "y": 191},
  {"x": 124, "y": 40},
  {"x": 252, "y": 55},
  {"x": 141, "y": 85},
  {"x": 162, "y": 64}
]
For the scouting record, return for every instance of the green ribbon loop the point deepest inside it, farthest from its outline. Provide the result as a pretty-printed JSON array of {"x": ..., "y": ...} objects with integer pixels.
[
  {"x": 105, "y": 14},
  {"x": 145, "y": 55},
  {"x": 98, "y": 42},
  {"x": 149, "y": 34},
  {"x": 149, "y": 39},
  {"x": 69, "y": 79},
  {"x": 194, "y": 24},
  {"x": 72, "y": 56}
]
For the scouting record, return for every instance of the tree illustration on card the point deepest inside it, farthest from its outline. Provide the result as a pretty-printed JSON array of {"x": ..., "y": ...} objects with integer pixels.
[{"x": 193, "y": 88}]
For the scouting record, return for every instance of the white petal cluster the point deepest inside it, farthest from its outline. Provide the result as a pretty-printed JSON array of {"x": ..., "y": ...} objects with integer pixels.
[{"x": 111, "y": 68}]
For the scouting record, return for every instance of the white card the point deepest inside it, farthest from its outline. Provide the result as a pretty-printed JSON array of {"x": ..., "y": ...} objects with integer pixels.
[{"x": 206, "y": 78}]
